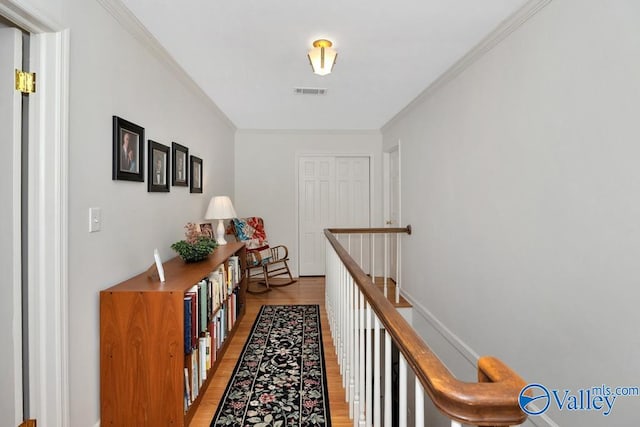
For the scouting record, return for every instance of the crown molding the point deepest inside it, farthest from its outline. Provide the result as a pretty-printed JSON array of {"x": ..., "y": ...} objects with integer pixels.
[
  {"x": 374, "y": 132},
  {"x": 27, "y": 17},
  {"x": 502, "y": 31},
  {"x": 132, "y": 24}
]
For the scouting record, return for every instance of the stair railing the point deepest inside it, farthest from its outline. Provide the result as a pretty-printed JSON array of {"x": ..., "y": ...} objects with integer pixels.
[{"x": 365, "y": 328}]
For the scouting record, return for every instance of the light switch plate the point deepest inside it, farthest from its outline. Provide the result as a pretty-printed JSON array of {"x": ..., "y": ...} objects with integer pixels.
[{"x": 95, "y": 219}]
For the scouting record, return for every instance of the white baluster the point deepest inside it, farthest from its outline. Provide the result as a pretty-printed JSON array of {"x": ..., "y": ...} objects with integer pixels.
[
  {"x": 402, "y": 389},
  {"x": 369, "y": 371},
  {"x": 373, "y": 258},
  {"x": 386, "y": 262},
  {"x": 350, "y": 361},
  {"x": 329, "y": 290},
  {"x": 387, "y": 379},
  {"x": 338, "y": 309},
  {"x": 356, "y": 355},
  {"x": 455, "y": 424},
  {"x": 341, "y": 320},
  {"x": 361, "y": 362},
  {"x": 336, "y": 303},
  {"x": 345, "y": 341},
  {"x": 361, "y": 238},
  {"x": 376, "y": 371},
  {"x": 344, "y": 326},
  {"x": 398, "y": 268},
  {"x": 419, "y": 404}
]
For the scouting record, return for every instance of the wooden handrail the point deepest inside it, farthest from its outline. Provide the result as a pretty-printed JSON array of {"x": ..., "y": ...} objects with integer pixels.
[
  {"x": 380, "y": 230},
  {"x": 491, "y": 402}
]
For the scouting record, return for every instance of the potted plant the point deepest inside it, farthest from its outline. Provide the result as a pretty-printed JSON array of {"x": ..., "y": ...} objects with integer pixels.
[{"x": 196, "y": 247}]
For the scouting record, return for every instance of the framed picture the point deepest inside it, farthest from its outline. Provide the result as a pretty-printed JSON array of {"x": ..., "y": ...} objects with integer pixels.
[
  {"x": 158, "y": 168},
  {"x": 206, "y": 229},
  {"x": 128, "y": 151},
  {"x": 195, "y": 168},
  {"x": 179, "y": 165}
]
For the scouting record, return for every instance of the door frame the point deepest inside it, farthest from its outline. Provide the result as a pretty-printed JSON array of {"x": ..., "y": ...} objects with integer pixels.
[
  {"x": 386, "y": 202},
  {"x": 12, "y": 45},
  {"x": 386, "y": 183},
  {"x": 371, "y": 156},
  {"x": 47, "y": 216}
]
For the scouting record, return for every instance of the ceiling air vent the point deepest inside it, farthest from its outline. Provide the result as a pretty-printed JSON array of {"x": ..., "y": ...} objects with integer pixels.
[{"x": 309, "y": 91}]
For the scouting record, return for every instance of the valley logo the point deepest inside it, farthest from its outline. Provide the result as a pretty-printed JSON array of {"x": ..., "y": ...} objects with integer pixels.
[{"x": 535, "y": 399}]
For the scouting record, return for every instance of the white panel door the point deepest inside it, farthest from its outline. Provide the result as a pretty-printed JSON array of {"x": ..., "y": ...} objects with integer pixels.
[
  {"x": 352, "y": 203},
  {"x": 332, "y": 192},
  {"x": 352, "y": 192},
  {"x": 10, "y": 241},
  {"x": 316, "y": 211}
]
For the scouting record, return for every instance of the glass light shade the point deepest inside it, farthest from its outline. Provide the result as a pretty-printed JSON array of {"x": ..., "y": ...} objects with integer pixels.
[{"x": 322, "y": 57}]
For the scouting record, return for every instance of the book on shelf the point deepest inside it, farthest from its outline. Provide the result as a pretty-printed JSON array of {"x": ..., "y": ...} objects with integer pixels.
[
  {"x": 230, "y": 311},
  {"x": 216, "y": 281},
  {"x": 202, "y": 360},
  {"x": 204, "y": 300},
  {"x": 234, "y": 267},
  {"x": 187, "y": 390},
  {"x": 187, "y": 324},
  {"x": 195, "y": 308},
  {"x": 212, "y": 340},
  {"x": 208, "y": 350},
  {"x": 220, "y": 327},
  {"x": 209, "y": 301},
  {"x": 195, "y": 374}
]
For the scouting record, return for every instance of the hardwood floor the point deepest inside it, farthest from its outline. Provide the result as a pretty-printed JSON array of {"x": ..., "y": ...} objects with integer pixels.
[{"x": 305, "y": 291}]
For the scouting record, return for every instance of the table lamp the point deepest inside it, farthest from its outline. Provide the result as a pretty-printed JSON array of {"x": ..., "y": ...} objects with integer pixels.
[{"x": 220, "y": 208}]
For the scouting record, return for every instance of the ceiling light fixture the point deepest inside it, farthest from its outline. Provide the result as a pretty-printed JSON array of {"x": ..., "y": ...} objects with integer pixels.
[{"x": 322, "y": 57}]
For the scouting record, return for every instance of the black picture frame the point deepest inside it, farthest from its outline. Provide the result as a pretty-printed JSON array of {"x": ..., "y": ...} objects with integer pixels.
[
  {"x": 195, "y": 175},
  {"x": 158, "y": 168},
  {"x": 179, "y": 165},
  {"x": 128, "y": 151}
]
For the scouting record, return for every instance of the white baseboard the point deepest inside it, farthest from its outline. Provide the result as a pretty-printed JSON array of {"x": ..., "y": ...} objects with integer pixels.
[
  {"x": 464, "y": 349},
  {"x": 461, "y": 347}
]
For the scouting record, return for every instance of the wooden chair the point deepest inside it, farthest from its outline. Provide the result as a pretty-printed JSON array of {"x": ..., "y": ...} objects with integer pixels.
[{"x": 264, "y": 262}]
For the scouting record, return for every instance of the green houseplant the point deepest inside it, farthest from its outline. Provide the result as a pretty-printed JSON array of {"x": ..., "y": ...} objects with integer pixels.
[{"x": 197, "y": 245}]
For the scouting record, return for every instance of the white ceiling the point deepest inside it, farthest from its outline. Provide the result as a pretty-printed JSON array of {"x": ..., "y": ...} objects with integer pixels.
[{"x": 248, "y": 55}]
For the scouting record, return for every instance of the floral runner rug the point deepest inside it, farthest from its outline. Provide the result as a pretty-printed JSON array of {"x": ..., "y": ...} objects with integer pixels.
[{"x": 280, "y": 377}]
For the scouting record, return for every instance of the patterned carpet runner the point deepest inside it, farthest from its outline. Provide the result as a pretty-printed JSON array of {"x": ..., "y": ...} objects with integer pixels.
[{"x": 280, "y": 377}]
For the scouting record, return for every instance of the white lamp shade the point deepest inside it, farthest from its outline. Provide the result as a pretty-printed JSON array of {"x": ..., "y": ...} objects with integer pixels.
[
  {"x": 322, "y": 57},
  {"x": 220, "y": 207}
]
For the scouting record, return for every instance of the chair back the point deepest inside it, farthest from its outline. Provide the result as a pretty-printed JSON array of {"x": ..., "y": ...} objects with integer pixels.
[{"x": 249, "y": 230}]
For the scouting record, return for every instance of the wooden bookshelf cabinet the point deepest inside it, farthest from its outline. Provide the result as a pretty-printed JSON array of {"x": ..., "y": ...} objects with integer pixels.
[{"x": 142, "y": 355}]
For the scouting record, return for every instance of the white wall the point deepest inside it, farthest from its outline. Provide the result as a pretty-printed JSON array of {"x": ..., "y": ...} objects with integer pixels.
[
  {"x": 114, "y": 74},
  {"x": 521, "y": 180},
  {"x": 266, "y": 180}
]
